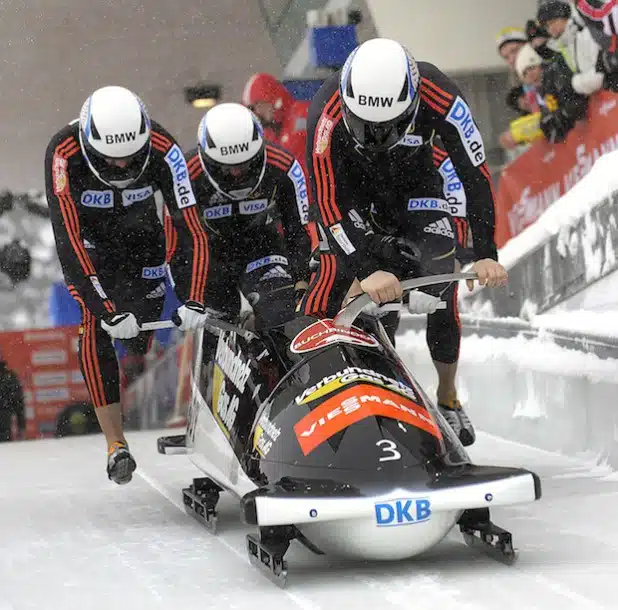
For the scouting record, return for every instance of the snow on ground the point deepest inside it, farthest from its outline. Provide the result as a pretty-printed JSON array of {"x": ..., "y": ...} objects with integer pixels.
[{"x": 73, "y": 540}]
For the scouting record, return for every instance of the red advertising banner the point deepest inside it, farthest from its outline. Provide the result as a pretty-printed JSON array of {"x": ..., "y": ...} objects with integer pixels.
[
  {"x": 545, "y": 172},
  {"x": 46, "y": 362}
]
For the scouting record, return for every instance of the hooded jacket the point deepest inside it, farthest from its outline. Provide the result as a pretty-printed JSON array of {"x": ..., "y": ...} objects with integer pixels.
[{"x": 581, "y": 54}]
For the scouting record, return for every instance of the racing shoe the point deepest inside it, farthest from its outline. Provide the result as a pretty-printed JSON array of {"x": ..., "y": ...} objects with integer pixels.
[
  {"x": 120, "y": 463},
  {"x": 458, "y": 420}
]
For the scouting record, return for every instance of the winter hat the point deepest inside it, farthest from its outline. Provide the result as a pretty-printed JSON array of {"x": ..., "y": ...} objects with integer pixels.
[
  {"x": 527, "y": 58},
  {"x": 554, "y": 9},
  {"x": 510, "y": 34}
]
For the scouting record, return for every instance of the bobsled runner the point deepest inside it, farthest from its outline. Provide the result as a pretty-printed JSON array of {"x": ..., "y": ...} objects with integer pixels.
[{"x": 325, "y": 437}]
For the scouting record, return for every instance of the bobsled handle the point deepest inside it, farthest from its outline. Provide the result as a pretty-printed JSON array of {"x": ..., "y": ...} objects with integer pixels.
[
  {"x": 345, "y": 318},
  {"x": 158, "y": 325},
  {"x": 213, "y": 323}
]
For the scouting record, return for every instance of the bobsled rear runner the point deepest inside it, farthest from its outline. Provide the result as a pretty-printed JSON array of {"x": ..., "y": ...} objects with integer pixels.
[{"x": 324, "y": 436}]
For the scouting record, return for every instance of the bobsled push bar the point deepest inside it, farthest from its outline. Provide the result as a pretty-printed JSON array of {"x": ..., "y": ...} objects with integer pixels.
[
  {"x": 214, "y": 323},
  {"x": 345, "y": 318}
]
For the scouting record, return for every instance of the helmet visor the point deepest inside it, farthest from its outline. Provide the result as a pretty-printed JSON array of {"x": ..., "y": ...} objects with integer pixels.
[
  {"x": 118, "y": 170},
  {"x": 380, "y": 136},
  {"x": 240, "y": 177}
]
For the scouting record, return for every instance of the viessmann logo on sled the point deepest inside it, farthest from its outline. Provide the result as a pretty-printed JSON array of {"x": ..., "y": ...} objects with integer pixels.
[
  {"x": 324, "y": 332},
  {"x": 353, "y": 405}
]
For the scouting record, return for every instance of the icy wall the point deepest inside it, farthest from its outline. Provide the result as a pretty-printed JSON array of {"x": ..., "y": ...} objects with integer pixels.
[{"x": 531, "y": 391}]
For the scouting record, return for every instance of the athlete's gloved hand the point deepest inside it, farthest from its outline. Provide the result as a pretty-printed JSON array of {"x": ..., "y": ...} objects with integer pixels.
[
  {"x": 402, "y": 256},
  {"x": 121, "y": 325},
  {"x": 420, "y": 302},
  {"x": 190, "y": 316}
]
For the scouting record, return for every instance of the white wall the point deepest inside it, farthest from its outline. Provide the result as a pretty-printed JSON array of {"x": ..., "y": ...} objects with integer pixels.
[
  {"x": 530, "y": 391},
  {"x": 456, "y": 35}
]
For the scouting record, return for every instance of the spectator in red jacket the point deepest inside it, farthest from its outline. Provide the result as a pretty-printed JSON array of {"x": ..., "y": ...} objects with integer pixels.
[
  {"x": 270, "y": 100},
  {"x": 284, "y": 120}
]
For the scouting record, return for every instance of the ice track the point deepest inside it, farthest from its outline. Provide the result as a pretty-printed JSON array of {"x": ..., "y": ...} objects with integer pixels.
[{"x": 71, "y": 539}]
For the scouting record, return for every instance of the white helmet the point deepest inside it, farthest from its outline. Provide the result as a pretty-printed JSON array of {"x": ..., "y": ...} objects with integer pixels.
[
  {"x": 232, "y": 149},
  {"x": 114, "y": 132},
  {"x": 380, "y": 92}
]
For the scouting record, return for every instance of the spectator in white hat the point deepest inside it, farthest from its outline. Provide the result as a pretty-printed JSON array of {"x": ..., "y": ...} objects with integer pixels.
[{"x": 559, "y": 104}]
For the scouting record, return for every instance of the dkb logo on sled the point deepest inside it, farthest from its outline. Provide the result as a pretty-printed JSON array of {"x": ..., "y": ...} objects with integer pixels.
[{"x": 402, "y": 512}]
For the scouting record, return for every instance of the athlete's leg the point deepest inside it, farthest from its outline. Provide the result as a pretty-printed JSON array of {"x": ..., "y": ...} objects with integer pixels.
[
  {"x": 99, "y": 367},
  {"x": 267, "y": 280},
  {"x": 330, "y": 282}
]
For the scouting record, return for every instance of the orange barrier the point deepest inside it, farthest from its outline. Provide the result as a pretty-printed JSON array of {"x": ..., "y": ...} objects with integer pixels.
[
  {"x": 545, "y": 172},
  {"x": 46, "y": 362}
]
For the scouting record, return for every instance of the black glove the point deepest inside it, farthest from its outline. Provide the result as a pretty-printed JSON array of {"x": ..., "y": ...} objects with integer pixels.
[
  {"x": 397, "y": 254},
  {"x": 555, "y": 126}
]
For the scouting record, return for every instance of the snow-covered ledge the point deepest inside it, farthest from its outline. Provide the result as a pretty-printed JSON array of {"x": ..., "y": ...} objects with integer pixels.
[
  {"x": 570, "y": 246},
  {"x": 531, "y": 391}
]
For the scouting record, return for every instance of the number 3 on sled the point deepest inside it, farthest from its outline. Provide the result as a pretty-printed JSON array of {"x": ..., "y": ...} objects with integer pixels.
[{"x": 390, "y": 449}]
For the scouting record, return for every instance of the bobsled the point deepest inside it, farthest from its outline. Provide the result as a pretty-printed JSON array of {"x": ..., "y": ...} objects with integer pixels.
[{"x": 324, "y": 435}]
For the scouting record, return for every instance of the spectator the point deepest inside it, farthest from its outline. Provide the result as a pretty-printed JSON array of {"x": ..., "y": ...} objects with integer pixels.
[
  {"x": 601, "y": 18},
  {"x": 560, "y": 106},
  {"x": 284, "y": 118},
  {"x": 528, "y": 66},
  {"x": 509, "y": 41},
  {"x": 540, "y": 39},
  {"x": 11, "y": 403},
  {"x": 575, "y": 43},
  {"x": 270, "y": 100},
  {"x": 517, "y": 100}
]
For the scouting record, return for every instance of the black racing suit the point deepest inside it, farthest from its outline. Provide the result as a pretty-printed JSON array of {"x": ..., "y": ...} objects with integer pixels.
[
  {"x": 259, "y": 244},
  {"x": 111, "y": 245},
  {"x": 399, "y": 193},
  {"x": 455, "y": 195}
]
